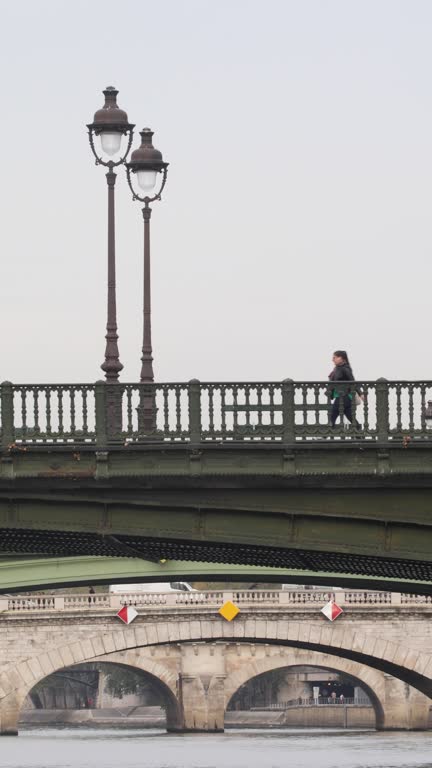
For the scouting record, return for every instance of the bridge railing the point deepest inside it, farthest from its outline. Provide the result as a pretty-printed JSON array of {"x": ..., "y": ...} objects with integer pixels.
[
  {"x": 201, "y": 412},
  {"x": 265, "y": 600},
  {"x": 321, "y": 701}
]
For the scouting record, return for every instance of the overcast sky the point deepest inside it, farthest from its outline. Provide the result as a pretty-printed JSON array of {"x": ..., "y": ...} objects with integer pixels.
[{"x": 297, "y": 216}]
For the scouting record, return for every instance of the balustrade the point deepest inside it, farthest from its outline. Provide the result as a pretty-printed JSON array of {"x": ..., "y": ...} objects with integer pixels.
[
  {"x": 321, "y": 701},
  {"x": 194, "y": 412},
  {"x": 267, "y": 600}
]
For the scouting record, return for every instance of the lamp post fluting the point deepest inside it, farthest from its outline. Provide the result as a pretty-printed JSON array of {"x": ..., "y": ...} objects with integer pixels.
[
  {"x": 110, "y": 124},
  {"x": 146, "y": 163}
]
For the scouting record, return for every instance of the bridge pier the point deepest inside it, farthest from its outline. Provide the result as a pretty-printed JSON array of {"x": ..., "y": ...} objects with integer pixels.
[
  {"x": 202, "y": 687},
  {"x": 10, "y": 709},
  {"x": 405, "y": 707}
]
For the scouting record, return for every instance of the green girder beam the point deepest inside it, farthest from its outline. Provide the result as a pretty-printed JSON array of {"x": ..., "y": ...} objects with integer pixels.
[
  {"x": 329, "y": 510},
  {"x": 38, "y": 573}
]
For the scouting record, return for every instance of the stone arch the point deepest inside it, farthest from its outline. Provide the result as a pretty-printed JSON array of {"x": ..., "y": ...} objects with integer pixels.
[
  {"x": 164, "y": 679},
  {"x": 371, "y": 680},
  {"x": 338, "y": 640}
]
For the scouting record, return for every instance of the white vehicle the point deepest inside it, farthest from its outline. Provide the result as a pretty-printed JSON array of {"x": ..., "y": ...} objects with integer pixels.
[{"x": 162, "y": 587}]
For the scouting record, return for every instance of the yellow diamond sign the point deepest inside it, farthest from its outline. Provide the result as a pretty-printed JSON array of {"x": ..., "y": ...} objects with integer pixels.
[{"x": 229, "y": 611}]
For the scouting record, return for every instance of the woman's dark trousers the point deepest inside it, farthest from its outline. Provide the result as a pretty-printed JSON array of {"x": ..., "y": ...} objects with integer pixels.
[{"x": 347, "y": 409}]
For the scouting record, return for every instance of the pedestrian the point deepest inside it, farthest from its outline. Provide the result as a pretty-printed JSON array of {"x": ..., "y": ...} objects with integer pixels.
[
  {"x": 91, "y": 592},
  {"x": 341, "y": 372},
  {"x": 341, "y": 698}
]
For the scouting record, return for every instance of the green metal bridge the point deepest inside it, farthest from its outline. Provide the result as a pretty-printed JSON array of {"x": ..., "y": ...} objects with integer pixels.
[{"x": 230, "y": 480}]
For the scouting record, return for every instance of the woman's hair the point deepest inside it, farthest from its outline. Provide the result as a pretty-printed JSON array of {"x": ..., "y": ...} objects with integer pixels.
[{"x": 343, "y": 354}]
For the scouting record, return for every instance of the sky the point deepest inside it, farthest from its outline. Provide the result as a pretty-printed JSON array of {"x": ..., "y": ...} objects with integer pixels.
[{"x": 297, "y": 216}]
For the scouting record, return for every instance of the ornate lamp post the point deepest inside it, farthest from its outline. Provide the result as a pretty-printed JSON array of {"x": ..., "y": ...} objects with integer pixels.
[
  {"x": 110, "y": 125},
  {"x": 146, "y": 163}
]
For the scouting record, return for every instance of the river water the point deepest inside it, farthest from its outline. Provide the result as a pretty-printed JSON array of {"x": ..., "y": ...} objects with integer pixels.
[{"x": 314, "y": 748}]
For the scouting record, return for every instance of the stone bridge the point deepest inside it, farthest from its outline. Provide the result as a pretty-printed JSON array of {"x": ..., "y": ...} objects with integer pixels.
[{"x": 198, "y": 660}]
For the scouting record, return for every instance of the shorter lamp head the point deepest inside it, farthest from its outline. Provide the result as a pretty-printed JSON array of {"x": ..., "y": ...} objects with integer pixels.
[{"x": 146, "y": 162}]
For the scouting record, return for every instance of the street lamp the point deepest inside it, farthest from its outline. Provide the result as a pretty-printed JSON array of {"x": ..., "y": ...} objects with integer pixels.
[
  {"x": 146, "y": 163},
  {"x": 110, "y": 125}
]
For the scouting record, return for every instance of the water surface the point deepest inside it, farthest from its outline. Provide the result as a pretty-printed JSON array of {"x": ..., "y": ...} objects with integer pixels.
[{"x": 312, "y": 748}]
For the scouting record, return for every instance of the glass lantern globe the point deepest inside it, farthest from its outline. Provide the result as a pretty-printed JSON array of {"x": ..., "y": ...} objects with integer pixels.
[
  {"x": 146, "y": 180},
  {"x": 110, "y": 142}
]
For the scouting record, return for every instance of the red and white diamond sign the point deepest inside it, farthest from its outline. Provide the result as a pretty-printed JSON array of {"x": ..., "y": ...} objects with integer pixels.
[
  {"x": 127, "y": 614},
  {"x": 331, "y": 611}
]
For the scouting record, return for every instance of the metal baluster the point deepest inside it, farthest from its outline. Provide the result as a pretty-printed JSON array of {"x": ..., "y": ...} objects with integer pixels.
[
  {"x": 398, "y": 408},
  {"x": 129, "y": 411},
  {"x": 341, "y": 403},
  {"x": 24, "y": 412},
  {"x": 247, "y": 403},
  {"x": 48, "y": 410},
  {"x": 352, "y": 426},
  {"x": 165, "y": 394},
  {"x": 304, "y": 391},
  {"x": 211, "y": 410},
  {"x": 272, "y": 406},
  {"x": 60, "y": 412},
  {"x": 72, "y": 410},
  {"x": 178, "y": 410},
  {"x": 259, "y": 399},
  {"x": 36, "y": 428},
  {"x": 157, "y": 418},
  {"x": 423, "y": 408},
  {"x": 411, "y": 406},
  {"x": 223, "y": 415},
  {"x": 84, "y": 411},
  {"x": 235, "y": 405},
  {"x": 366, "y": 408},
  {"x": 317, "y": 398}
]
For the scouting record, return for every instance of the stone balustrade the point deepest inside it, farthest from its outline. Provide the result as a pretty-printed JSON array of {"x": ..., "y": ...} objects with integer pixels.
[{"x": 270, "y": 600}]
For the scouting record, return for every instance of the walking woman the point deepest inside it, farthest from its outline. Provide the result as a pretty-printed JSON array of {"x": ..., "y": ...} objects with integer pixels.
[{"x": 342, "y": 371}]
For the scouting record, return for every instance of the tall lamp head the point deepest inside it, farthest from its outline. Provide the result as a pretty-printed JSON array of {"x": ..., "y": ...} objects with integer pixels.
[{"x": 110, "y": 124}]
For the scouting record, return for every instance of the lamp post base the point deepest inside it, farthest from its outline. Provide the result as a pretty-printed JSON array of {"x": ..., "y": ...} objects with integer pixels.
[{"x": 147, "y": 413}]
